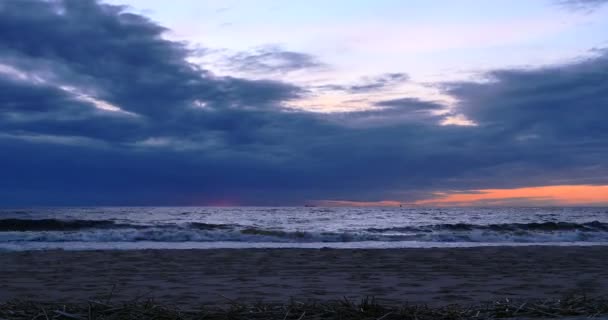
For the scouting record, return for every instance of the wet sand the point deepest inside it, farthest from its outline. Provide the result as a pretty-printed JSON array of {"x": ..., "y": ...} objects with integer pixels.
[{"x": 194, "y": 277}]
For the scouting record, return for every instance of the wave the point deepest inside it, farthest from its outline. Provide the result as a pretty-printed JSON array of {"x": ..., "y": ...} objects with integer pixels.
[
  {"x": 53, "y": 224},
  {"x": 248, "y": 235},
  {"x": 51, "y": 230},
  {"x": 592, "y": 226},
  {"x": 160, "y": 234},
  {"x": 210, "y": 226},
  {"x": 23, "y": 225}
]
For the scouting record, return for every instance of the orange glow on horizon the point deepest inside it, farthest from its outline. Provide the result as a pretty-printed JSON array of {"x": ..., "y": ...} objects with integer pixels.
[{"x": 566, "y": 195}]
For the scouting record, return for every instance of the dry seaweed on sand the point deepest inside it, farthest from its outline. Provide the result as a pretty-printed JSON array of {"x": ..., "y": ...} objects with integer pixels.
[{"x": 365, "y": 309}]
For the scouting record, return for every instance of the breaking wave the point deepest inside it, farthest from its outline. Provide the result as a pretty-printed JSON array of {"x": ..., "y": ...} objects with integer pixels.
[{"x": 52, "y": 230}]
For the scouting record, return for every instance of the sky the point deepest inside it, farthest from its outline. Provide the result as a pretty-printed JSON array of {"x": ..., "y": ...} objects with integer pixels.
[{"x": 346, "y": 103}]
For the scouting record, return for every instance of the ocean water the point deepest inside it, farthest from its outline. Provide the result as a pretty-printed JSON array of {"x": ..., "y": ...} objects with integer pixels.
[{"x": 297, "y": 227}]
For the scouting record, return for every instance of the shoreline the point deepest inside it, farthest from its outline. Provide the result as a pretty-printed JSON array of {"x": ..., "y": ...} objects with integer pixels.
[
  {"x": 240, "y": 245},
  {"x": 434, "y": 276}
]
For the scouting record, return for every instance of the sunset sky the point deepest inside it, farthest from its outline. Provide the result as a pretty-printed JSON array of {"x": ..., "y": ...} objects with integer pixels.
[{"x": 267, "y": 102}]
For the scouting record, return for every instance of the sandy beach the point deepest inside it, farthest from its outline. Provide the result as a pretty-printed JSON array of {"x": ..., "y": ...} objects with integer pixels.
[{"x": 194, "y": 277}]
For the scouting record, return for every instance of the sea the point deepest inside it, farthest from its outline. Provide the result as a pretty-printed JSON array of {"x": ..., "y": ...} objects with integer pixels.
[{"x": 129, "y": 228}]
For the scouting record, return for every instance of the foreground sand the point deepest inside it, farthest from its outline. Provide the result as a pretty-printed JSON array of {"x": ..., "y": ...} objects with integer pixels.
[{"x": 192, "y": 277}]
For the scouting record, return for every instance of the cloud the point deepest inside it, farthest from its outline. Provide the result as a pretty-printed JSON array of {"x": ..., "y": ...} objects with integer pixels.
[
  {"x": 97, "y": 107},
  {"x": 549, "y": 119},
  {"x": 118, "y": 56},
  {"x": 41, "y": 108},
  {"x": 393, "y": 112},
  {"x": 585, "y": 5},
  {"x": 272, "y": 60},
  {"x": 411, "y": 104},
  {"x": 122, "y": 59},
  {"x": 370, "y": 84},
  {"x": 561, "y": 104}
]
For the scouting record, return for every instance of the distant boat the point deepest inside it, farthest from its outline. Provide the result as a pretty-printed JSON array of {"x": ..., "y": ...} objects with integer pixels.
[{"x": 309, "y": 206}]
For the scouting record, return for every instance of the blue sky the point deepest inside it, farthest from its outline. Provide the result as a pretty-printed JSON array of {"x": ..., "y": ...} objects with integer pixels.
[
  {"x": 428, "y": 39},
  {"x": 155, "y": 102},
  {"x": 431, "y": 41}
]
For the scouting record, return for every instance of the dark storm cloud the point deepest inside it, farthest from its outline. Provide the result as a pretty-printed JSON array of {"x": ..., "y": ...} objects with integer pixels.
[
  {"x": 587, "y": 5},
  {"x": 562, "y": 103},
  {"x": 119, "y": 57},
  {"x": 187, "y": 136},
  {"x": 39, "y": 108},
  {"x": 370, "y": 84},
  {"x": 272, "y": 60},
  {"x": 553, "y": 118}
]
